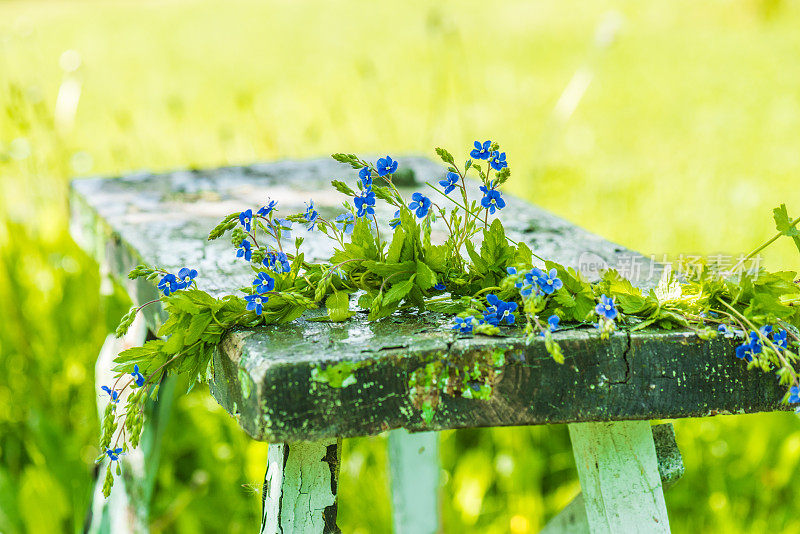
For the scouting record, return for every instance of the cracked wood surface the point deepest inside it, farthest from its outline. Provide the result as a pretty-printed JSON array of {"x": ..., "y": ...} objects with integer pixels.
[{"x": 312, "y": 381}]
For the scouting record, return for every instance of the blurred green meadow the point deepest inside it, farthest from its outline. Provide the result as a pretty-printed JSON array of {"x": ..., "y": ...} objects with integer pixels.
[{"x": 687, "y": 134}]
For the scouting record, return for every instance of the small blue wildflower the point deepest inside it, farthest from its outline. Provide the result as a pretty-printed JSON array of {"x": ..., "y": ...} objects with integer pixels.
[
  {"x": 112, "y": 393},
  {"x": 481, "y": 151},
  {"x": 365, "y": 203},
  {"x": 169, "y": 283},
  {"x": 755, "y": 343},
  {"x": 449, "y": 182},
  {"x": 395, "y": 221},
  {"x": 511, "y": 270},
  {"x": 244, "y": 250},
  {"x": 498, "y": 160},
  {"x": 386, "y": 166},
  {"x": 365, "y": 175},
  {"x": 138, "y": 378},
  {"x": 549, "y": 282},
  {"x": 421, "y": 204},
  {"x": 256, "y": 303},
  {"x": 499, "y": 310},
  {"x": 186, "y": 276},
  {"x": 311, "y": 215},
  {"x": 765, "y": 330},
  {"x": 277, "y": 261},
  {"x": 780, "y": 340},
  {"x": 263, "y": 283},
  {"x": 743, "y": 352},
  {"x": 440, "y": 287},
  {"x": 113, "y": 454},
  {"x": 723, "y": 329},
  {"x": 464, "y": 324},
  {"x": 553, "y": 321},
  {"x": 794, "y": 395},
  {"x": 345, "y": 222},
  {"x": 265, "y": 210},
  {"x": 245, "y": 218},
  {"x": 492, "y": 199},
  {"x": 529, "y": 282},
  {"x": 605, "y": 308}
]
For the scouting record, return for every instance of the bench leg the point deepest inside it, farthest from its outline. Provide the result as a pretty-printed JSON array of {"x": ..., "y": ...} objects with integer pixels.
[
  {"x": 573, "y": 518},
  {"x": 300, "y": 487},
  {"x": 618, "y": 470},
  {"x": 414, "y": 466}
]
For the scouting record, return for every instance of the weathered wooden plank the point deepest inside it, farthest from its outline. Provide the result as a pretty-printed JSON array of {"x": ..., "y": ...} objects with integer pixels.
[
  {"x": 618, "y": 470},
  {"x": 301, "y": 487},
  {"x": 414, "y": 469},
  {"x": 281, "y": 381},
  {"x": 310, "y": 381},
  {"x": 572, "y": 519}
]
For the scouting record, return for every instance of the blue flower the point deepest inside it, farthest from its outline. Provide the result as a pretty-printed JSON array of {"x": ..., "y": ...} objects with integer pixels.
[
  {"x": 263, "y": 283},
  {"x": 492, "y": 200},
  {"x": 499, "y": 310},
  {"x": 465, "y": 324},
  {"x": 265, "y": 210},
  {"x": 743, "y": 352},
  {"x": 277, "y": 261},
  {"x": 498, "y": 160},
  {"x": 186, "y": 276},
  {"x": 113, "y": 454},
  {"x": 138, "y": 378},
  {"x": 345, "y": 222},
  {"x": 449, "y": 182},
  {"x": 421, "y": 204},
  {"x": 779, "y": 338},
  {"x": 794, "y": 395},
  {"x": 245, "y": 218},
  {"x": 169, "y": 284},
  {"x": 386, "y": 166},
  {"x": 723, "y": 329},
  {"x": 481, "y": 151},
  {"x": 244, "y": 250},
  {"x": 511, "y": 270},
  {"x": 550, "y": 282},
  {"x": 553, "y": 321},
  {"x": 365, "y": 175},
  {"x": 766, "y": 330},
  {"x": 395, "y": 222},
  {"x": 440, "y": 287},
  {"x": 311, "y": 216},
  {"x": 256, "y": 303},
  {"x": 529, "y": 282},
  {"x": 365, "y": 203},
  {"x": 606, "y": 308},
  {"x": 112, "y": 393}
]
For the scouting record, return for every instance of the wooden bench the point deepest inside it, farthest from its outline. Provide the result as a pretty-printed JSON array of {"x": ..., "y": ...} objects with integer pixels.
[{"x": 306, "y": 385}]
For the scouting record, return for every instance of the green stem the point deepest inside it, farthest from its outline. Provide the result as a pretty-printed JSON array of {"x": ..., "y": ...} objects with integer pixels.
[{"x": 761, "y": 247}]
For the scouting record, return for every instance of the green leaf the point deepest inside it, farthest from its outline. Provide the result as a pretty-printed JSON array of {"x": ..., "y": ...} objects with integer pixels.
[
  {"x": 338, "y": 305},
  {"x": 784, "y": 224},
  {"x": 445, "y": 155},
  {"x": 343, "y": 188},
  {"x": 399, "y": 290},
  {"x": 425, "y": 277},
  {"x": 350, "y": 159},
  {"x": 387, "y": 269},
  {"x": 436, "y": 257},
  {"x": 174, "y": 343},
  {"x": 197, "y": 327},
  {"x": 396, "y": 247}
]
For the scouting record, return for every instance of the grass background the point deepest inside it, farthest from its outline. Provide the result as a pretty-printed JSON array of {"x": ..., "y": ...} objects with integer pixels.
[{"x": 687, "y": 135}]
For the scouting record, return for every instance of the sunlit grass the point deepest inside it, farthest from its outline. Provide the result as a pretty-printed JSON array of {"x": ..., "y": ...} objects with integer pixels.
[{"x": 685, "y": 139}]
